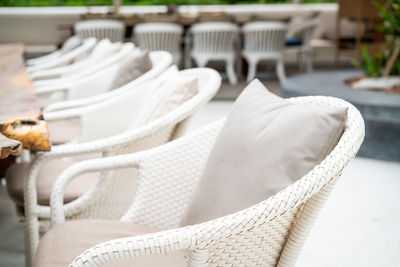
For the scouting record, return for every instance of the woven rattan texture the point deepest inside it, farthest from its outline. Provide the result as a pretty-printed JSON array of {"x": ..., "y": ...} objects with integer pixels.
[
  {"x": 119, "y": 182},
  {"x": 269, "y": 233},
  {"x": 259, "y": 246}
]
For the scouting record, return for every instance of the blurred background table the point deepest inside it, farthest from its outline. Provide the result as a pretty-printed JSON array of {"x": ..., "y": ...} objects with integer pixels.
[{"x": 21, "y": 125}]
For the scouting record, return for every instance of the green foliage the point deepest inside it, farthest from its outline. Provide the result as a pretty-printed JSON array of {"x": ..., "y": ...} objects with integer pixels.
[
  {"x": 390, "y": 13},
  {"x": 373, "y": 64},
  {"x": 43, "y": 3},
  {"x": 391, "y": 18}
]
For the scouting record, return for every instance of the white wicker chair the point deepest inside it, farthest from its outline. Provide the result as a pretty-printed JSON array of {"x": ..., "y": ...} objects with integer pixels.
[
  {"x": 95, "y": 79},
  {"x": 94, "y": 204},
  {"x": 76, "y": 54},
  {"x": 270, "y": 233},
  {"x": 304, "y": 51},
  {"x": 100, "y": 52},
  {"x": 264, "y": 41},
  {"x": 160, "y": 36},
  {"x": 70, "y": 44},
  {"x": 161, "y": 60},
  {"x": 101, "y": 29},
  {"x": 214, "y": 41}
]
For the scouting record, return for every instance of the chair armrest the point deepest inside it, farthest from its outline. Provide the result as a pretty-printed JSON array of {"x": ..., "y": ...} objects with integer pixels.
[
  {"x": 44, "y": 58},
  {"x": 48, "y": 89},
  {"x": 45, "y": 75},
  {"x": 73, "y": 172},
  {"x": 63, "y": 114},
  {"x": 76, "y": 103},
  {"x": 129, "y": 247},
  {"x": 97, "y": 98},
  {"x": 179, "y": 163},
  {"x": 132, "y": 141}
]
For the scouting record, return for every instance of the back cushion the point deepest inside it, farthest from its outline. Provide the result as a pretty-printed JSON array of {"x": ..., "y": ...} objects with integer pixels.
[
  {"x": 266, "y": 144},
  {"x": 135, "y": 107},
  {"x": 70, "y": 44},
  {"x": 170, "y": 95},
  {"x": 131, "y": 67}
]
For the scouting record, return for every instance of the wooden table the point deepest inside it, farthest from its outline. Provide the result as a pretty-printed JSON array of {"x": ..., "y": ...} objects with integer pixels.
[{"x": 21, "y": 124}]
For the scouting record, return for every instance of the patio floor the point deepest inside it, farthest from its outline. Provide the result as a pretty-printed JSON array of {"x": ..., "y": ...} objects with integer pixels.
[{"x": 357, "y": 227}]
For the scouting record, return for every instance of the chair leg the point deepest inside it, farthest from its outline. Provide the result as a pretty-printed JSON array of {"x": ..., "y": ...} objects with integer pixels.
[
  {"x": 230, "y": 71},
  {"x": 31, "y": 240},
  {"x": 188, "y": 61},
  {"x": 239, "y": 68},
  {"x": 300, "y": 57},
  {"x": 200, "y": 62},
  {"x": 280, "y": 70},
  {"x": 309, "y": 61},
  {"x": 252, "y": 70}
]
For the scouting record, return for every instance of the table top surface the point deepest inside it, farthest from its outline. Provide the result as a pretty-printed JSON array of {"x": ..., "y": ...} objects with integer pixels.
[{"x": 21, "y": 124}]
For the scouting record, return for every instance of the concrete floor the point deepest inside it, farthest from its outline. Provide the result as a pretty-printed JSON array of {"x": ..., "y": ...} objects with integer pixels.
[{"x": 358, "y": 227}]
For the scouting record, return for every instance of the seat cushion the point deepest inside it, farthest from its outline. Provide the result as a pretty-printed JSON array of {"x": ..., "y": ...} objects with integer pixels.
[
  {"x": 45, "y": 180},
  {"x": 266, "y": 144},
  {"x": 63, "y": 131},
  {"x": 64, "y": 242}
]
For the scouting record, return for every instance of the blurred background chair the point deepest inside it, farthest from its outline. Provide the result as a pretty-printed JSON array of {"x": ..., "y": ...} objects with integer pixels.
[
  {"x": 101, "y": 51},
  {"x": 160, "y": 60},
  {"x": 101, "y": 29},
  {"x": 214, "y": 41},
  {"x": 79, "y": 53},
  {"x": 299, "y": 42},
  {"x": 160, "y": 36},
  {"x": 154, "y": 113},
  {"x": 70, "y": 44},
  {"x": 97, "y": 78},
  {"x": 264, "y": 41}
]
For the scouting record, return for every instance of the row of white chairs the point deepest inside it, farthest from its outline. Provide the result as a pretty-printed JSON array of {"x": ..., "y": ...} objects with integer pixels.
[
  {"x": 119, "y": 172},
  {"x": 111, "y": 122},
  {"x": 210, "y": 41}
]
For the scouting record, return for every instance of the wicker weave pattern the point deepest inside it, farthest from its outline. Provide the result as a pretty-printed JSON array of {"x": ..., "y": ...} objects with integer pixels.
[
  {"x": 164, "y": 192},
  {"x": 120, "y": 182},
  {"x": 95, "y": 204},
  {"x": 259, "y": 246},
  {"x": 269, "y": 233}
]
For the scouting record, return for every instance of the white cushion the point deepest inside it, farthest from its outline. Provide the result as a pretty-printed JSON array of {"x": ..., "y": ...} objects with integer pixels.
[{"x": 266, "y": 144}]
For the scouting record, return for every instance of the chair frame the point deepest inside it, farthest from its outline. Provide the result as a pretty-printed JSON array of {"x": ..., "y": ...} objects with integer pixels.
[
  {"x": 50, "y": 75},
  {"x": 51, "y": 56},
  {"x": 86, "y": 77},
  {"x": 270, "y": 47},
  {"x": 161, "y": 60},
  {"x": 270, "y": 233},
  {"x": 203, "y": 53},
  {"x": 101, "y": 29},
  {"x": 149, "y": 135},
  {"x": 160, "y": 36},
  {"x": 74, "y": 55},
  {"x": 305, "y": 50}
]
